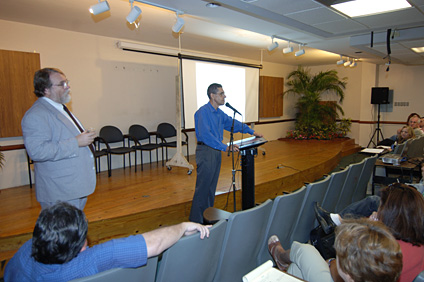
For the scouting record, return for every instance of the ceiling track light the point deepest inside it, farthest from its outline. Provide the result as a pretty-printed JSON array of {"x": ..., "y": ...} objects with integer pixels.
[
  {"x": 178, "y": 24},
  {"x": 341, "y": 61},
  {"x": 288, "y": 49},
  {"x": 99, "y": 8},
  {"x": 300, "y": 52},
  {"x": 348, "y": 62},
  {"x": 273, "y": 45},
  {"x": 353, "y": 64},
  {"x": 134, "y": 14}
]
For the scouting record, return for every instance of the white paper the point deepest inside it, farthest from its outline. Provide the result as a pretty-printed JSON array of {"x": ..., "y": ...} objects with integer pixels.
[{"x": 266, "y": 273}]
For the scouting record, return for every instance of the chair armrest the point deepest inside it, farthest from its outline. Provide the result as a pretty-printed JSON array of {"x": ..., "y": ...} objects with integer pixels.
[
  {"x": 131, "y": 138},
  {"x": 99, "y": 140},
  {"x": 163, "y": 140}
]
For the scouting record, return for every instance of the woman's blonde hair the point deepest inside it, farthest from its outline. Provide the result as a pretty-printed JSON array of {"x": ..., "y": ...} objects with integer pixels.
[{"x": 367, "y": 251}]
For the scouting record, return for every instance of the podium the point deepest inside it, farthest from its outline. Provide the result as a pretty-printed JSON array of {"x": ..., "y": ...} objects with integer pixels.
[{"x": 248, "y": 150}]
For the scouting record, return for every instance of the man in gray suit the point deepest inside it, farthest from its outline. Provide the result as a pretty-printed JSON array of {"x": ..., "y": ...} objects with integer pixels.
[{"x": 56, "y": 141}]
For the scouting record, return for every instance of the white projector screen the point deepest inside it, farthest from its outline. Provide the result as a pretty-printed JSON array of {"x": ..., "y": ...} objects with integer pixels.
[{"x": 240, "y": 83}]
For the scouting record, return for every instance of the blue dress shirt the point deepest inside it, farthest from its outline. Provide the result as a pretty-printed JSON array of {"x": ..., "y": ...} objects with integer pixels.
[{"x": 210, "y": 125}]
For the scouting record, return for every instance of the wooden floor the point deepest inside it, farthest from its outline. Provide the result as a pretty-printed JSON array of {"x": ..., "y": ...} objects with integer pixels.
[{"x": 134, "y": 202}]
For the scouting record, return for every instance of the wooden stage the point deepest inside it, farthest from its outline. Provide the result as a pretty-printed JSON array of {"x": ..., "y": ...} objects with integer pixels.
[{"x": 134, "y": 202}]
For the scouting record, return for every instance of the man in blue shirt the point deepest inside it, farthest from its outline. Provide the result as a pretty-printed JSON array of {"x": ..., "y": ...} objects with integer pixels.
[
  {"x": 58, "y": 250},
  {"x": 210, "y": 123}
]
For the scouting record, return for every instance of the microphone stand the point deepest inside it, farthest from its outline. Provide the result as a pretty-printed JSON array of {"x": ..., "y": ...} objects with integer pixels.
[{"x": 232, "y": 153}]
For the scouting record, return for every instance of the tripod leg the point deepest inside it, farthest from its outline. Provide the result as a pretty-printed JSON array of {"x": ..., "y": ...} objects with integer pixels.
[{"x": 371, "y": 140}]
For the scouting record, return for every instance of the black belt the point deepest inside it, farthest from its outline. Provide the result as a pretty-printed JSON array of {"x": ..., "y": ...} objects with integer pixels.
[{"x": 200, "y": 143}]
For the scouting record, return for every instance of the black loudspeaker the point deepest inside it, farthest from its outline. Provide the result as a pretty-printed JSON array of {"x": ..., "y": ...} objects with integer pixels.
[{"x": 380, "y": 95}]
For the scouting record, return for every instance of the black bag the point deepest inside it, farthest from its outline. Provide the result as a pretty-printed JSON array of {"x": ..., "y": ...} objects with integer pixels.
[{"x": 324, "y": 243}]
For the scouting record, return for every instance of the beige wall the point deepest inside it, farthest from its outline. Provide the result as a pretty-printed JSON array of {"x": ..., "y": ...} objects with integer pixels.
[{"x": 111, "y": 86}]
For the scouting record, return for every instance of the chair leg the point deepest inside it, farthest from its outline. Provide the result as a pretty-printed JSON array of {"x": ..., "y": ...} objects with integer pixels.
[
  {"x": 135, "y": 160},
  {"x": 141, "y": 157},
  {"x": 109, "y": 161},
  {"x": 162, "y": 157},
  {"x": 188, "y": 157},
  {"x": 150, "y": 157}
]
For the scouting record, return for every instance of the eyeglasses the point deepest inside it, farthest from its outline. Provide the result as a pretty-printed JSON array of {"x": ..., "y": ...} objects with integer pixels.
[{"x": 64, "y": 84}]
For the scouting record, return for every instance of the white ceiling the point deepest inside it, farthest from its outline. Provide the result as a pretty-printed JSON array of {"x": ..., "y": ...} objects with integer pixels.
[{"x": 241, "y": 28}]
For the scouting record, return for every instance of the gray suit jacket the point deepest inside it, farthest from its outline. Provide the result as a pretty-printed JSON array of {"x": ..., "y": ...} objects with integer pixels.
[{"x": 63, "y": 171}]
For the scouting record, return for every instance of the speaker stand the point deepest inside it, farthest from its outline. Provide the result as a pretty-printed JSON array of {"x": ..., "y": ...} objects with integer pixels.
[{"x": 377, "y": 131}]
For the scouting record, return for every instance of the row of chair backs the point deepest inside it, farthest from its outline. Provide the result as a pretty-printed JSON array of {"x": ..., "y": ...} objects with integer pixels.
[
  {"x": 238, "y": 245},
  {"x": 138, "y": 139},
  {"x": 292, "y": 216}
]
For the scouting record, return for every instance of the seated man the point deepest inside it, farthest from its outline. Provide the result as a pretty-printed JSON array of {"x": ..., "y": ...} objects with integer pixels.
[
  {"x": 58, "y": 250},
  {"x": 414, "y": 122},
  {"x": 366, "y": 251}
]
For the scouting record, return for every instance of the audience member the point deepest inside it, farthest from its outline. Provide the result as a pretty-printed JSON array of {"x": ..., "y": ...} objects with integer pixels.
[
  {"x": 210, "y": 122},
  {"x": 366, "y": 207},
  {"x": 422, "y": 124},
  {"x": 58, "y": 250},
  {"x": 414, "y": 122},
  {"x": 405, "y": 133},
  {"x": 401, "y": 209},
  {"x": 366, "y": 251},
  {"x": 55, "y": 140},
  {"x": 410, "y": 121}
]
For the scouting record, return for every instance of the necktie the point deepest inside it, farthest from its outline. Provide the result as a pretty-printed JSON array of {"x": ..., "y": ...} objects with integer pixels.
[{"x": 78, "y": 125}]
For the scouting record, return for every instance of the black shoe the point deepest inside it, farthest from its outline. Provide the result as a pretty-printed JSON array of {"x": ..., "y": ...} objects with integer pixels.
[{"x": 324, "y": 219}]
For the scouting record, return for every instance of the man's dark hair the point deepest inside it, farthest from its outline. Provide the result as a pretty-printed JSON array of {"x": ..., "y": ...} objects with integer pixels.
[
  {"x": 213, "y": 88},
  {"x": 42, "y": 80},
  {"x": 59, "y": 234}
]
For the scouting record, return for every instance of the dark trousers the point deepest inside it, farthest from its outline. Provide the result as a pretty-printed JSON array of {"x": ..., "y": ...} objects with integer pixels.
[
  {"x": 208, "y": 167},
  {"x": 362, "y": 208}
]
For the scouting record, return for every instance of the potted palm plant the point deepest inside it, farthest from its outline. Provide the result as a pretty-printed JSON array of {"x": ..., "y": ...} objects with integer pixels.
[{"x": 316, "y": 118}]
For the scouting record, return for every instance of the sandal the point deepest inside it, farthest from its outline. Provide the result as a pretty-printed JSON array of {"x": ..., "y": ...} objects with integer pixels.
[{"x": 273, "y": 242}]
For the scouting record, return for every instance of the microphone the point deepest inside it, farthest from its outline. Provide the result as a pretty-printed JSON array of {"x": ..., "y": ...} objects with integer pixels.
[{"x": 229, "y": 106}]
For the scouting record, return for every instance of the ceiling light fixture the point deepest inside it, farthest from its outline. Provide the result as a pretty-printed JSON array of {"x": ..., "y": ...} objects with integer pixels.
[
  {"x": 341, "y": 61},
  {"x": 273, "y": 45},
  {"x": 348, "y": 62},
  {"x": 213, "y": 5},
  {"x": 134, "y": 14},
  {"x": 99, "y": 8},
  {"x": 353, "y": 64},
  {"x": 288, "y": 49},
  {"x": 178, "y": 24},
  {"x": 418, "y": 49},
  {"x": 359, "y": 8},
  {"x": 300, "y": 52}
]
